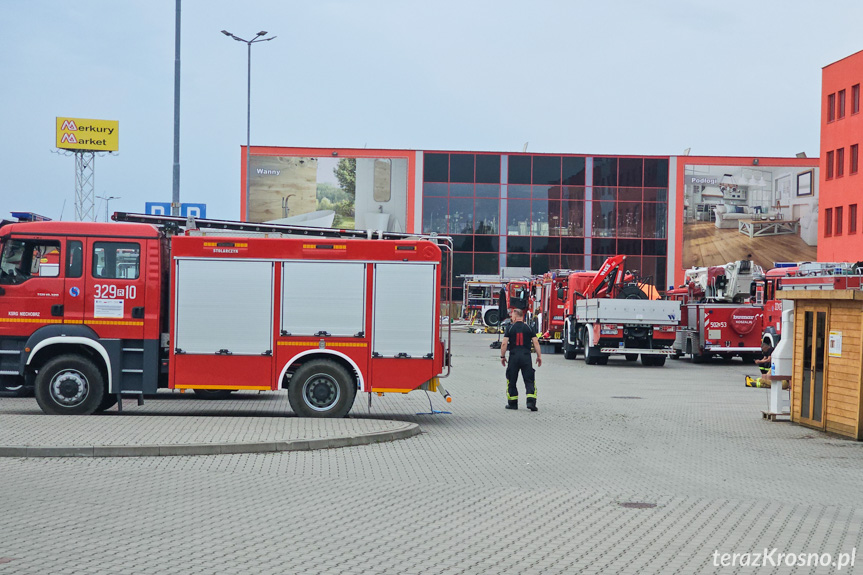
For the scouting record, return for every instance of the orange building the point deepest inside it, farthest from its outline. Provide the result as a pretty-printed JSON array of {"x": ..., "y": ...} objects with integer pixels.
[{"x": 841, "y": 209}]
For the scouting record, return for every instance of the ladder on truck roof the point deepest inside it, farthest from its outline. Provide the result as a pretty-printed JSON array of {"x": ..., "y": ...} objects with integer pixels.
[{"x": 191, "y": 223}]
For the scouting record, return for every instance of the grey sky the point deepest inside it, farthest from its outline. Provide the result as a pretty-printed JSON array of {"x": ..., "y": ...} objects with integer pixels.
[{"x": 629, "y": 77}]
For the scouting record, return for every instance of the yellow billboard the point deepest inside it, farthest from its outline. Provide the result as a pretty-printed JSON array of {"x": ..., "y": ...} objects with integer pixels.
[{"x": 82, "y": 134}]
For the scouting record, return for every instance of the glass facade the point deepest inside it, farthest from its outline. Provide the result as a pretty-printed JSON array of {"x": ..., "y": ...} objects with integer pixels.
[{"x": 547, "y": 212}]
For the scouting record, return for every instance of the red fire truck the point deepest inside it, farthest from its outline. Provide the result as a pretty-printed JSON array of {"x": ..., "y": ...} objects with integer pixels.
[
  {"x": 132, "y": 307},
  {"x": 552, "y": 309}
]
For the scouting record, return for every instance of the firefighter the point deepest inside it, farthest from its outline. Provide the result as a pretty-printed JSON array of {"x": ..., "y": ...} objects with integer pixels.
[
  {"x": 518, "y": 340},
  {"x": 764, "y": 366}
]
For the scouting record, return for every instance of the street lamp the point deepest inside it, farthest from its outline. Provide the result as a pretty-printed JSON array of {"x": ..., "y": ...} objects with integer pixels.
[
  {"x": 108, "y": 203},
  {"x": 257, "y": 38}
]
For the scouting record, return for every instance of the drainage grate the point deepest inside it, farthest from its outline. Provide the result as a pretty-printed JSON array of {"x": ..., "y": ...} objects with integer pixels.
[
  {"x": 637, "y": 505},
  {"x": 626, "y": 397}
]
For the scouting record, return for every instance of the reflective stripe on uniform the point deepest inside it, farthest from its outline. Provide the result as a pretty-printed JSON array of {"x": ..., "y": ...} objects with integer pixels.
[{"x": 508, "y": 396}]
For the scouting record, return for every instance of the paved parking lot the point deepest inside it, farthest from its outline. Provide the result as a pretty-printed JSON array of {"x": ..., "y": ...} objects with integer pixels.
[{"x": 624, "y": 469}]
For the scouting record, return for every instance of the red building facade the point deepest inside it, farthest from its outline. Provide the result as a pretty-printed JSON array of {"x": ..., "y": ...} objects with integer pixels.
[{"x": 841, "y": 209}]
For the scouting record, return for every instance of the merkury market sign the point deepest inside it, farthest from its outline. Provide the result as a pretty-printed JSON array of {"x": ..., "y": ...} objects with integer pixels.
[{"x": 82, "y": 134}]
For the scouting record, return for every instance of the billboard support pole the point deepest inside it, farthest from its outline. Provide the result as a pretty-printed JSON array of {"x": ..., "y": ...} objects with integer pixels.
[{"x": 85, "y": 180}]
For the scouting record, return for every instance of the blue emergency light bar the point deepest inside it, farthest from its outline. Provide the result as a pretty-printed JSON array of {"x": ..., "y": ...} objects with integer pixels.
[{"x": 29, "y": 217}]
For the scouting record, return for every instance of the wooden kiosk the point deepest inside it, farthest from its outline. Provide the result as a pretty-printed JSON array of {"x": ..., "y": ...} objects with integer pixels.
[{"x": 828, "y": 360}]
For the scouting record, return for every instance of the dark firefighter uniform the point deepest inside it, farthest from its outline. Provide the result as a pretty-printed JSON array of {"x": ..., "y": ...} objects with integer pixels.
[{"x": 519, "y": 337}]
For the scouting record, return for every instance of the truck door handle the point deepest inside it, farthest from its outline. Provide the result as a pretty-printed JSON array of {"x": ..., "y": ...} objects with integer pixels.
[
  {"x": 138, "y": 312},
  {"x": 57, "y": 310}
]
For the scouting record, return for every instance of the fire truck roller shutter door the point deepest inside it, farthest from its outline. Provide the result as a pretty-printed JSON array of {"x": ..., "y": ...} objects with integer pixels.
[
  {"x": 323, "y": 297},
  {"x": 404, "y": 300},
  {"x": 241, "y": 291}
]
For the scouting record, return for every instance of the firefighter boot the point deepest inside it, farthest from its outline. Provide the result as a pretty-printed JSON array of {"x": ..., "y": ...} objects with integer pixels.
[
  {"x": 531, "y": 404},
  {"x": 512, "y": 404}
]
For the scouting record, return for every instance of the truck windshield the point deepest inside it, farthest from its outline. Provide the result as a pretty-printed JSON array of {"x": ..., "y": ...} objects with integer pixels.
[{"x": 24, "y": 259}]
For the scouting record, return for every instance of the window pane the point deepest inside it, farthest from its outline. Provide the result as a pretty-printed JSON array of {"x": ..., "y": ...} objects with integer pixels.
[
  {"x": 572, "y": 193},
  {"x": 631, "y": 172},
  {"x": 461, "y": 168},
  {"x": 518, "y": 260},
  {"x": 572, "y": 246},
  {"x": 654, "y": 220},
  {"x": 461, "y": 190},
  {"x": 518, "y": 217},
  {"x": 487, "y": 191},
  {"x": 74, "y": 259},
  {"x": 629, "y": 219},
  {"x": 486, "y": 264},
  {"x": 462, "y": 264},
  {"x": 656, "y": 172},
  {"x": 486, "y": 243},
  {"x": 539, "y": 245},
  {"x": 518, "y": 191},
  {"x": 605, "y": 194},
  {"x": 629, "y": 248},
  {"x": 487, "y": 216},
  {"x": 655, "y": 247},
  {"x": 518, "y": 244},
  {"x": 605, "y": 171},
  {"x": 116, "y": 260},
  {"x": 572, "y": 219},
  {"x": 439, "y": 190},
  {"x": 461, "y": 216},
  {"x": 539, "y": 264},
  {"x": 539, "y": 218},
  {"x": 554, "y": 225},
  {"x": 546, "y": 169},
  {"x": 605, "y": 247},
  {"x": 629, "y": 194},
  {"x": 462, "y": 243},
  {"x": 572, "y": 262},
  {"x": 519, "y": 170},
  {"x": 604, "y": 219},
  {"x": 435, "y": 167},
  {"x": 573, "y": 171},
  {"x": 540, "y": 192},
  {"x": 435, "y": 215},
  {"x": 488, "y": 169},
  {"x": 655, "y": 195}
]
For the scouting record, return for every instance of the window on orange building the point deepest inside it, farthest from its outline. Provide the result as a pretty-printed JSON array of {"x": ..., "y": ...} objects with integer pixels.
[
  {"x": 838, "y": 226},
  {"x": 831, "y": 107},
  {"x": 855, "y": 98},
  {"x": 853, "y": 159},
  {"x": 840, "y": 162},
  {"x": 828, "y": 222},
  {"x": 852, "y": 219},
  {"x": 841, "y": 113},
  {"x": 830, "y": 165}
]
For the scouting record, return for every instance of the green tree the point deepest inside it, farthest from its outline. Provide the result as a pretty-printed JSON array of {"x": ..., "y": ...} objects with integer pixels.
[{"x": 346, "y": 174}]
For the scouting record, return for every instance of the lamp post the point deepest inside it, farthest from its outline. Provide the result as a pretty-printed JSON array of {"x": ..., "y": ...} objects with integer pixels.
[
  {"x": 108, "y": 203},
  {"x": 258, "y": 38}
]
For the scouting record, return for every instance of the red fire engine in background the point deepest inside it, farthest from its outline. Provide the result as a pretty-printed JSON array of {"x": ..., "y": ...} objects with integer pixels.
[{"x": 132, "y": 307}]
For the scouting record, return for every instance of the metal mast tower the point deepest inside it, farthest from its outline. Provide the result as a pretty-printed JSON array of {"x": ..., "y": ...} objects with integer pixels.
[{"x": 85, "y": 184}]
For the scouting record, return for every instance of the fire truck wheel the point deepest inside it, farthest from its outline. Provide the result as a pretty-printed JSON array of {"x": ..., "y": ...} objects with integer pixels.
[
  {"x": 69, "y": 385},
  {"x": 631, "y": 356},
  {"x": 108, "y": 401},
  {"x": 491, "y": 318},
  {"x": 569, "y": 350},
  {"x": 321, "y": 388},
  {"x": 214, "y": 393}
]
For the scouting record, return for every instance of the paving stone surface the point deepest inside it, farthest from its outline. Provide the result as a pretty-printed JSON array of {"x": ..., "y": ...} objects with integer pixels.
[{"x": 483, "y": 490}]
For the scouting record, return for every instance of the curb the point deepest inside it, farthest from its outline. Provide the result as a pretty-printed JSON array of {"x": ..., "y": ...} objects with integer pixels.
[{"x": 406, "y": 431}]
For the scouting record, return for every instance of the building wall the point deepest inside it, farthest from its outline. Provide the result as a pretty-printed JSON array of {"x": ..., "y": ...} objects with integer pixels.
[{"x": 841, "y": 207}]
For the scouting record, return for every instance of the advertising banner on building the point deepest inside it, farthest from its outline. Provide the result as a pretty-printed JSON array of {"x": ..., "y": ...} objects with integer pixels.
[
  {"x": 768, "y": 214},
  {"x": 329, "y": 191},
  {"x": 83, "y": 134}
]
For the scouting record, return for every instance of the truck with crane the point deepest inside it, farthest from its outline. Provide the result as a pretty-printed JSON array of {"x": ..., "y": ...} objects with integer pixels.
[
  {"x": 214, "y": 306},
  {"x": 608, "y": 312}
]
